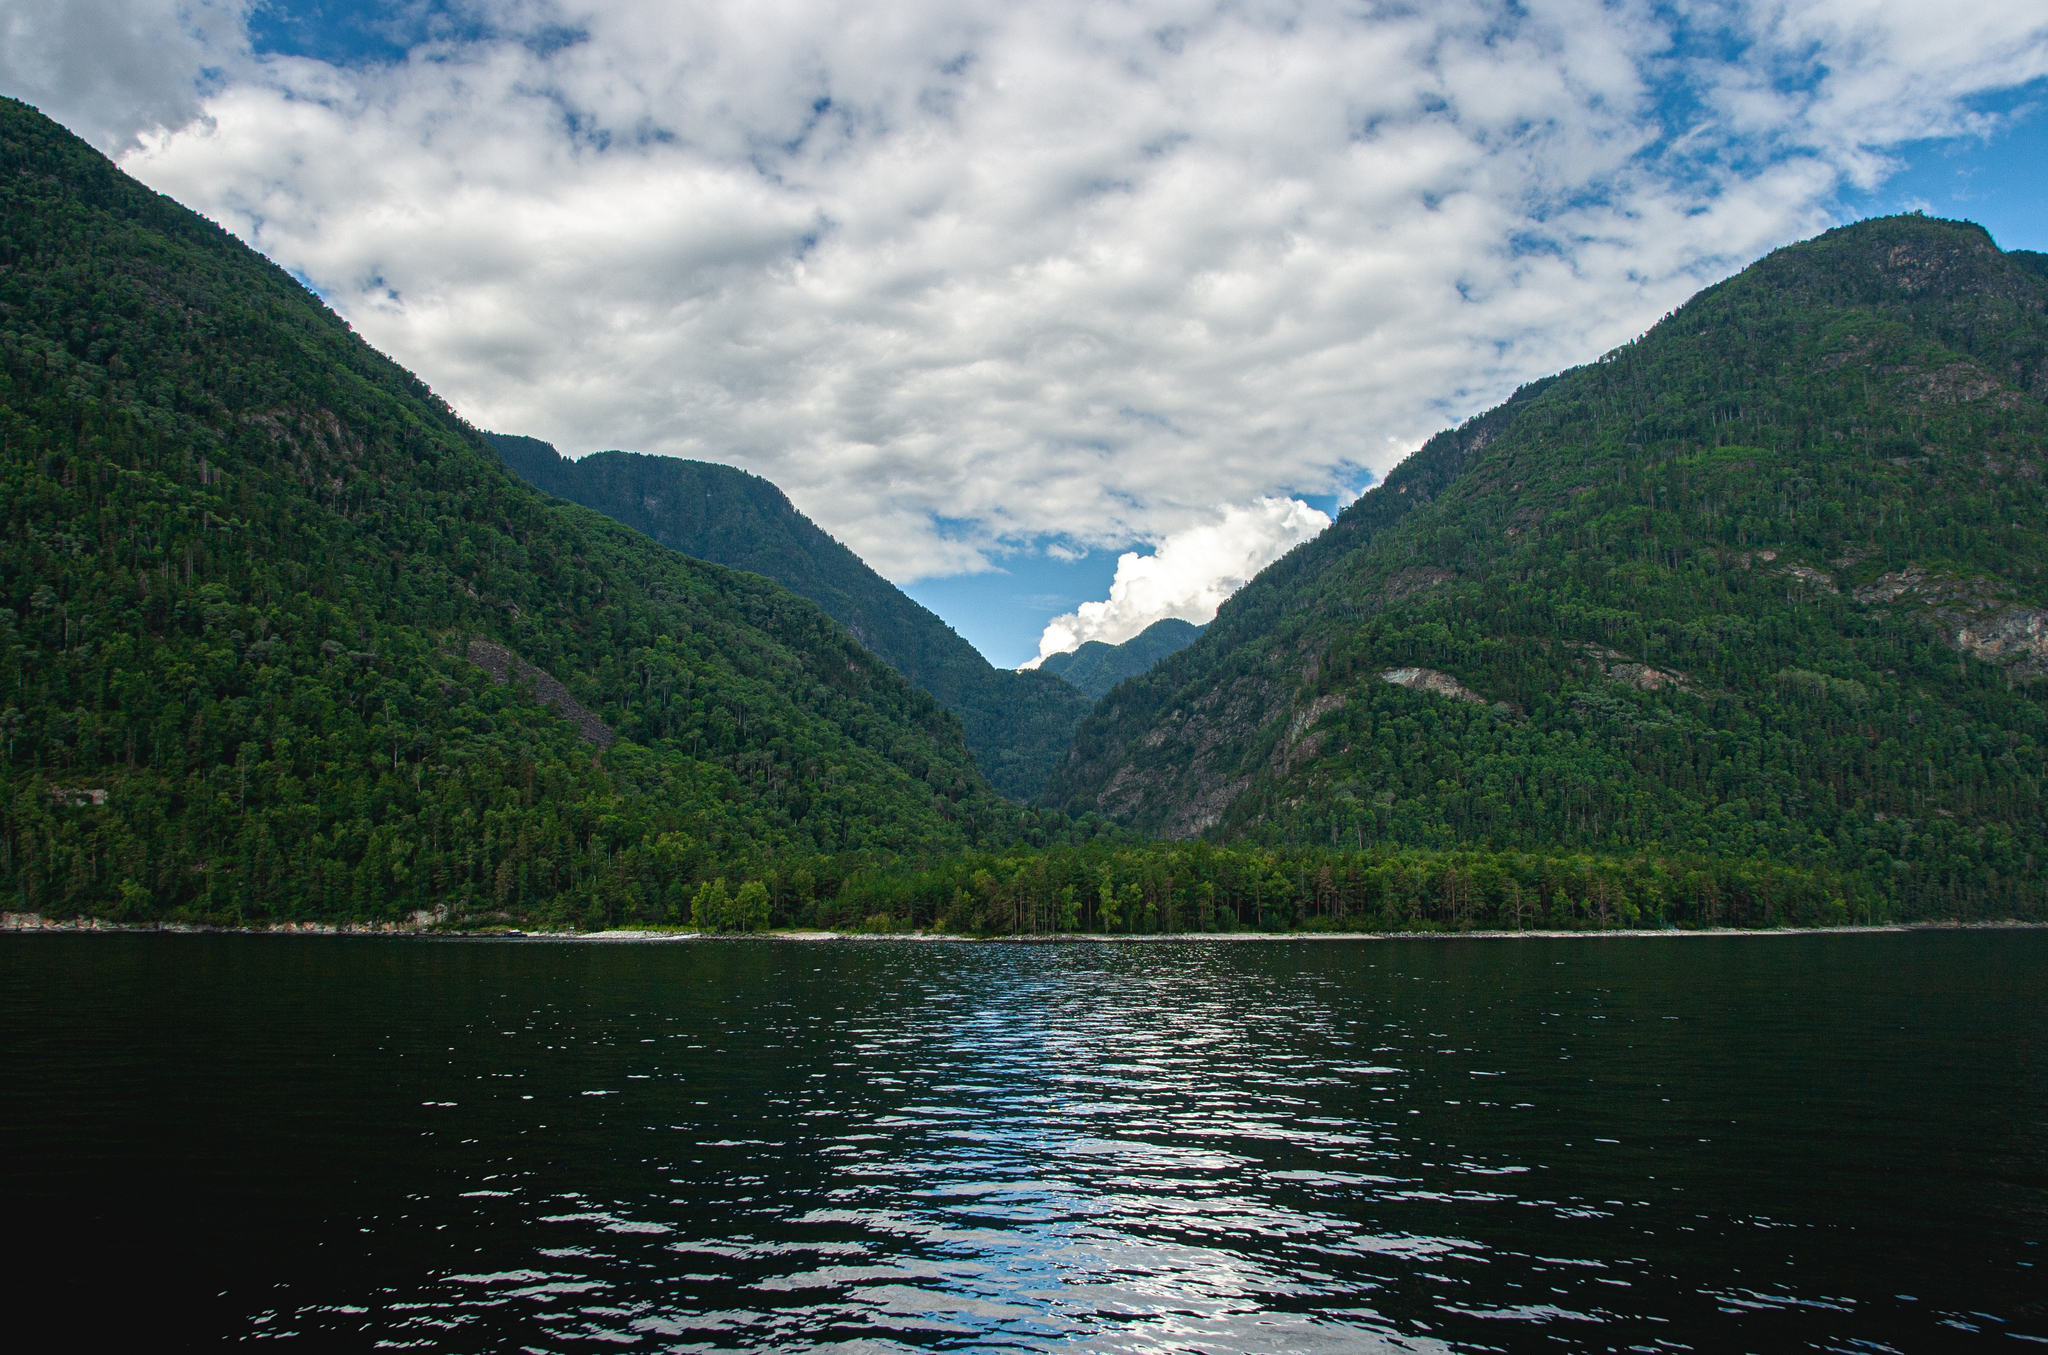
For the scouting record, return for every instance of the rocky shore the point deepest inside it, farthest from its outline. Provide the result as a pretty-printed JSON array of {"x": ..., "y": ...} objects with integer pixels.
[{"x": 36, "y": 922}]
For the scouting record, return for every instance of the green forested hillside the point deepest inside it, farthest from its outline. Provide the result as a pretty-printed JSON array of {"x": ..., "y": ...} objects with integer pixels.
[
  {"x": 1766, "y": 583},
  {"x": 246, "y": 563},
  {"x": 1745, "y": 622},
  {"x": 1096, "y": 667},
  {"x": 1017, "y": 725}
]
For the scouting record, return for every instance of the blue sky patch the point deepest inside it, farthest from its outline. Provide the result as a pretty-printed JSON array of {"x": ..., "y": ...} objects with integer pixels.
[{"x": 1003, "y": 613}]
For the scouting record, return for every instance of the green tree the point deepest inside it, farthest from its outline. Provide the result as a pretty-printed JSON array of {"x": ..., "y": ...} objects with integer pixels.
[
  {"x": 711, "y": 910},
  {"x": 749, "y": 910}
]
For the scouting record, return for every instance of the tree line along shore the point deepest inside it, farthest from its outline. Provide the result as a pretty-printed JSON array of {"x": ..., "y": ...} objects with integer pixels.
[{"x": 1106, "y": 888}]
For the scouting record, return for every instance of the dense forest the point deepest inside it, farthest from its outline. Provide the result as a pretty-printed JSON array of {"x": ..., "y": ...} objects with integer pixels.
[
  {"x": 1741, "y": 625},
  {"x": 247, "y": 564},
  {"x": 1124, "y": 889},
  {"x": 1017, "y": 725},
  {"x": 1765, "y": 584}
]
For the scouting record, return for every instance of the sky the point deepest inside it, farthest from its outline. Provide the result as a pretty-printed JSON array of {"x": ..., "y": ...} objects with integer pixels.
[{"x": 1065, "y": 316}]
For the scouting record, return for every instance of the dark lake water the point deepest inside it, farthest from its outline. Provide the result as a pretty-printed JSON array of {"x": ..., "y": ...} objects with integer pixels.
[{"x": 1755, "y": 1143}]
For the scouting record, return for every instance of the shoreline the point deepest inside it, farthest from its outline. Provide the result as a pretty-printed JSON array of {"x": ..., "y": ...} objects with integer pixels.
[{"x": 36, "y": 924}]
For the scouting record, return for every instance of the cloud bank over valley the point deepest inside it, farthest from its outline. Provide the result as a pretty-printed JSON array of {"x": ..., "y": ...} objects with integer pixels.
[
  {"x": 1188, "y": 577},
  {"x": 973, "y": 279}
]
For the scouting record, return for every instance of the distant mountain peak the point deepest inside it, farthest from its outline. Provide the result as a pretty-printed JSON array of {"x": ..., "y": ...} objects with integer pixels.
[
  {"x": 1096, "y": 667},
  {"x": 1017, "y": 725}
]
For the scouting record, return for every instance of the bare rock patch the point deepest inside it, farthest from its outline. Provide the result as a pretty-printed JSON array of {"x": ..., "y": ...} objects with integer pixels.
[{"x": 503, "y": 665}]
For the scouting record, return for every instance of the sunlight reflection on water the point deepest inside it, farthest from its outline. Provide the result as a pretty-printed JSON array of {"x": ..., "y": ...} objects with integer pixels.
[{"x": 1072, "y": 1157}]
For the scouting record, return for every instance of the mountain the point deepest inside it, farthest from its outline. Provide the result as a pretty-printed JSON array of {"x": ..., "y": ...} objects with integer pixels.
[
  {"x": 1017, "y": 725},
  {"x": 1766, "y": 582},
  {"x": 282, "y": 636},
  {"x": 1096, "y": 667}
]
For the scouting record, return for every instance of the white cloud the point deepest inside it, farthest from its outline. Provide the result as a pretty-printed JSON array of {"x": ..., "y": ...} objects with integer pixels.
[
  {"x": 111, "y": 70},
  {"x": 1189, "y": 576},
  {"x": 964, "y": 276}
]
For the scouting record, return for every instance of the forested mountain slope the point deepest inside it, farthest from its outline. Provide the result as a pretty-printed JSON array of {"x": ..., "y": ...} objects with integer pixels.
[
  {"x": 1766, "y": 582},
  {"x": 1018, "y": 725},
  {"x": 247, "y": 563},
  {"x": 1096, "y": 667}
]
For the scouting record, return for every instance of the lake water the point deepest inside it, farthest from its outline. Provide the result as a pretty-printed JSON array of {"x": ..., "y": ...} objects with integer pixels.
[{"x": 1744, "y": 1143}]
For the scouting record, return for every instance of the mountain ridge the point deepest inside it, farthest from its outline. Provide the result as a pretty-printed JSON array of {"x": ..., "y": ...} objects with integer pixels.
[
  {"x": 247, "y": 559},
  {"x": 1745, "y": 620},
  {"x": 1679, "y": 580},
  {"x": 1017, "y": 724},
  {"x": 1096, "y": 667}
]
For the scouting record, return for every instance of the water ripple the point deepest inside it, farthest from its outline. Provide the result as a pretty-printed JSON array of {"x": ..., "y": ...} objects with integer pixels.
[{"x": 1173, "y": 1147}]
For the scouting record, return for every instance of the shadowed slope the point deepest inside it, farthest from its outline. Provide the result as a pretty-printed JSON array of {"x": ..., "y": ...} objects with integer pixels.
[
  {"x": 1017, "y": 724},
  {"x": 244, "y": 557}
]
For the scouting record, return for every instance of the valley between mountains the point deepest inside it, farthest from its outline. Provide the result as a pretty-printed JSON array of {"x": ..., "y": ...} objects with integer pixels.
[{"x": 1742, "y": 624}]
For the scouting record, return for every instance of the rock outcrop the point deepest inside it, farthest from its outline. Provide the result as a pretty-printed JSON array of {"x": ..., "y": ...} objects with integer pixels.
[
  {"x": 1433, "y": 682},
  {"x": 503, "y": 665},
  {"x": 1975, "y": 616},
  {"x": 1619, "y": 667}
]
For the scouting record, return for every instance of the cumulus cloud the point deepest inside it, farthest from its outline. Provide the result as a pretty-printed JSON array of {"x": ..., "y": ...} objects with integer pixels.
[
  {"x": 965, "y": 276},
  {"x": 1189, "y": 576},
  {"x": 111, "y": 70}
]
